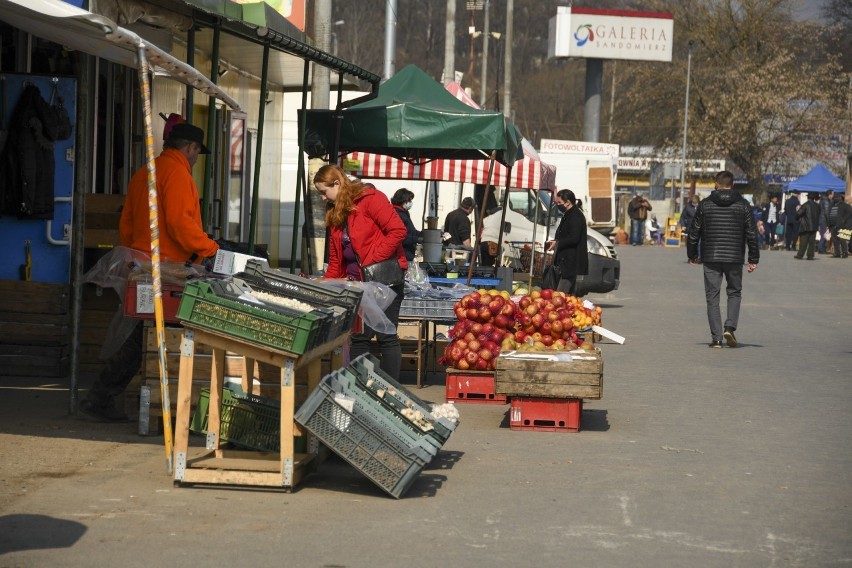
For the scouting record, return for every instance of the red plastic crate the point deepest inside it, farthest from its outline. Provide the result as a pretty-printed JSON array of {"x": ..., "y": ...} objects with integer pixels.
[
  {"x": 475, "y": 387},
  {"x": 545, "y": 414},
  {"x": 171, "y": 300}
]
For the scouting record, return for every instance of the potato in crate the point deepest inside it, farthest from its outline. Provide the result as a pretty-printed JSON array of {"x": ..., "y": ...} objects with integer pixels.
[
  {"x": 397, "y": 398},
  {"x": 309, "y": 291}
]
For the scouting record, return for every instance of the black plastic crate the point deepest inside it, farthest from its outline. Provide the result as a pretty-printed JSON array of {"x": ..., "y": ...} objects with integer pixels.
[
  {"x": 392, "y": 395},
  {"x": 307, "y": 290},
  {"x": 362, "y": 442}
]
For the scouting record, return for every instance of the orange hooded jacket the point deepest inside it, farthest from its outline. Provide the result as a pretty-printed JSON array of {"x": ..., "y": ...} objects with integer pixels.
[{"x": 181, "y": 233}]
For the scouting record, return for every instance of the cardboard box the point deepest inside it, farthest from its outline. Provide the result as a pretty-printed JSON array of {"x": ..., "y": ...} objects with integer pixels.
[{"x": 228, "y": 262}]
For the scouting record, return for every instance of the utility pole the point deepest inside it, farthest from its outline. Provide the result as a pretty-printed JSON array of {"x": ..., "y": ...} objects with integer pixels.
[
  {"x": 685, "y": 124},
  {"x": 322, "y": 34},
  {"x": 450, "y": 43},
  {"x": 390, "y": 39},
  {"x": 507, "y": 61},
  {"x": 486, "y": 32}
]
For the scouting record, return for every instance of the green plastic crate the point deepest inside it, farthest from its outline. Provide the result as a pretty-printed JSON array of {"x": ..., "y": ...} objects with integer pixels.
[
  {"x": 248, "y": 421},
  {"x": 214, "y": 305}
]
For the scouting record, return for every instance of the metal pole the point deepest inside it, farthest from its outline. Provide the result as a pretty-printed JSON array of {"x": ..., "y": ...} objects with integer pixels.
[
  {"x": 592, "y": 109},
  {"x": 507, "y": 61},
  {"x": 258, "y": 153},
  {"x": 390, "y": 39},
  {"x": 322, "y": 75},
  {"x": 190, "y": 59},
  {"x": 301, "y": 182},
  {"x": 211, "y": 125},
  {"x": 86, "y": 113},
  {"x": 685, "y": 124},
  {"x": 486, "y": 32},
  {"x": 450, "y": 43}
]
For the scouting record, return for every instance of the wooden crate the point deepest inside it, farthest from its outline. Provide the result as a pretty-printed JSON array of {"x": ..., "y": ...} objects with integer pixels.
[
  {"x": 98, "y": 307},
  {"x": 550, "y": 379},
  {"x": 35, "y": 319},
  {"x": 103, "y": 213}
]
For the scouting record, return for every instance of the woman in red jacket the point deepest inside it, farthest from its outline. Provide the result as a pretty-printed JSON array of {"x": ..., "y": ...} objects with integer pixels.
[{"x": 363, "y": 229}]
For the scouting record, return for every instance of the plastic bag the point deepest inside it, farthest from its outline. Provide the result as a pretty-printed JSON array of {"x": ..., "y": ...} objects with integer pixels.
[
  {"x": 374, "y": 301},
  {"x": 115, "y": 269}
]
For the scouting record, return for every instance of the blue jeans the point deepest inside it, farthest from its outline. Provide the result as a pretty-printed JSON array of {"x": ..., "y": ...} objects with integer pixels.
[
  {"x": 713, "y": 272},
  {"x": 637, "y": 231}
]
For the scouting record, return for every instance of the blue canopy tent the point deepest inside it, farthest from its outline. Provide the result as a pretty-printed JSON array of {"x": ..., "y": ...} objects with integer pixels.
[{"x": 818, "y": 180}]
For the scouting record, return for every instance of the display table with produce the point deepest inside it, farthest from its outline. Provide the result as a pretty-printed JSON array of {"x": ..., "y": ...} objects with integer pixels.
[
  {"x": 534, "y": 351},
  {"x": 265, "y": 317}
]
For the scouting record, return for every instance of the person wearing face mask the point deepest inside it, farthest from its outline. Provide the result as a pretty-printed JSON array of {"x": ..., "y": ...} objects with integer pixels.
[
  {"x": 402, "y": 201},
  {"x": 570, "y": 249},
  {"x": 363, "y": 229}
]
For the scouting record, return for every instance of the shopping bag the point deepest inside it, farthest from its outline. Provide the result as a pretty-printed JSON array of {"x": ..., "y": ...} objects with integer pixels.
[{"x": 551, "y": 277}]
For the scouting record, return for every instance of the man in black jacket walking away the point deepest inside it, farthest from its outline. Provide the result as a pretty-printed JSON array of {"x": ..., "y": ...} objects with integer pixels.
[
  {"x": 725, "y": 226},
  {"x": 808, "y": 218}
]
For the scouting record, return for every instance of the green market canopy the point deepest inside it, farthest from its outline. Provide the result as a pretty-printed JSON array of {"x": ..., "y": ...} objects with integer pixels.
[{"x": 412, "y": 118}]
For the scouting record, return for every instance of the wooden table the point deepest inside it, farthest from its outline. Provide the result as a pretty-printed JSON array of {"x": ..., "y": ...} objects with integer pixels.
[{"x": 283, "y": 469}]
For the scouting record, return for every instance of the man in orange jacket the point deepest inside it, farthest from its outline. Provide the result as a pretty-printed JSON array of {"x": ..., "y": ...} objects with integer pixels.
[{"x": 182, "y": 239}]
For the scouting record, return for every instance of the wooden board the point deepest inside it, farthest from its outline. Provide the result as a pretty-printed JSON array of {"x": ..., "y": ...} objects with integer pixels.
[
  {"x": 34, "y": 297},
  {"x": 551, "y": 379}
]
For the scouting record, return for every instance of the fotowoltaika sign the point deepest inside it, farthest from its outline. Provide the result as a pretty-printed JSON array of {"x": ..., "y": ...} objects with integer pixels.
[{"x": 610, "y": 34}]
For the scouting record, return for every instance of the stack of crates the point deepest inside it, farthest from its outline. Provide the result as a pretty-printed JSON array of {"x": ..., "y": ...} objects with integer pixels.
[
  {"x": 344, "y": 301},
  {"x": 358, "y": 412},
  {"x": 220, "y": 306}
]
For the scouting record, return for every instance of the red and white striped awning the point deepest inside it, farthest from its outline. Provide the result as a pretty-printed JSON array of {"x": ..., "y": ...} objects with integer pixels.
[{"x": 528, "y": 173}]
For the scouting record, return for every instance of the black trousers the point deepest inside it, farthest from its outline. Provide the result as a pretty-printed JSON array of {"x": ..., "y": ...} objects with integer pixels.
[{"x": 389, "y": 348}]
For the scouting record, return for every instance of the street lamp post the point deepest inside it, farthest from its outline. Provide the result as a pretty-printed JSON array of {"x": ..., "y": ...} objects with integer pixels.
[
  {"x": 685, "y": 125},
  {"x": 497, "y": 36}
]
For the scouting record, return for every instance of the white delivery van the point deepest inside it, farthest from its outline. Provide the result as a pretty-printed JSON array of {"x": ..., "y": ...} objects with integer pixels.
[
  {"x": 527, "y": 222},
  {"x": 589, "y": 169}
]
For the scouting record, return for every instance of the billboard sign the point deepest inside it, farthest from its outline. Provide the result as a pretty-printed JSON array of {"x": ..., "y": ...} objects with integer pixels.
[{"x": 610, "y": 34}]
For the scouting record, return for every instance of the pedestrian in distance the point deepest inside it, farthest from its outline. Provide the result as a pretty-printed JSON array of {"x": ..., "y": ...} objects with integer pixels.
[
  {"x": 402, "y": 202},
  {"x": 825, "y": 203},
  {"x": 834, "y": 225},
  {"x": 182, "y": 239},
  {"x": 791, "y": 224},
  {"x": 570, "y": 246},
  {"x": 637, "y": 210},
  {"x": 808, "y": 218},
  {"x": 364, "y": 229},
  {"x": 725, "y": 226},
  {"x": 457, "y": 225},
  {"x": 688, "y": 213},
  {"x": 844, "y": 228},
  {"x": 771, "y": 217}
]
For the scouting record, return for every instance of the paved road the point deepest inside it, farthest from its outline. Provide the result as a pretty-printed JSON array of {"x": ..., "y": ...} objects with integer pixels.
[{"x": 694, "y": 457}]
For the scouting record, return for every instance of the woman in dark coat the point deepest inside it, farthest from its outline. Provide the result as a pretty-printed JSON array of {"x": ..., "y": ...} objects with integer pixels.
[
  {"x": 402, "y": 201},
  {"x": 570, "y": 248}
]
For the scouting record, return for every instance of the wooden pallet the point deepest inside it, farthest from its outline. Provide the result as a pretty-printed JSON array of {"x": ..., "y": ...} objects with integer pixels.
[{"x": 35, "y": 318}]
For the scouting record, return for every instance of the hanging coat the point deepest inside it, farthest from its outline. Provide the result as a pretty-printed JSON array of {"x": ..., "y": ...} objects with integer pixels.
[{"x": 27, "y": 166}]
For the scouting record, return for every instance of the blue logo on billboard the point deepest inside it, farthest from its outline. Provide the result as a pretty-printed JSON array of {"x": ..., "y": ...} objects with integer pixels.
[{"x": 584, "y": 34}]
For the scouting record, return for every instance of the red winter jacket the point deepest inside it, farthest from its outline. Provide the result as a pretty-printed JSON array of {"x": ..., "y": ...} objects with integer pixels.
[{"x": 376, "y": 232}]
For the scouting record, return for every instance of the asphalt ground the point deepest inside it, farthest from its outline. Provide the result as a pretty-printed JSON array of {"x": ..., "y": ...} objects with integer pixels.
[{"x": 693, "y": 457}]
